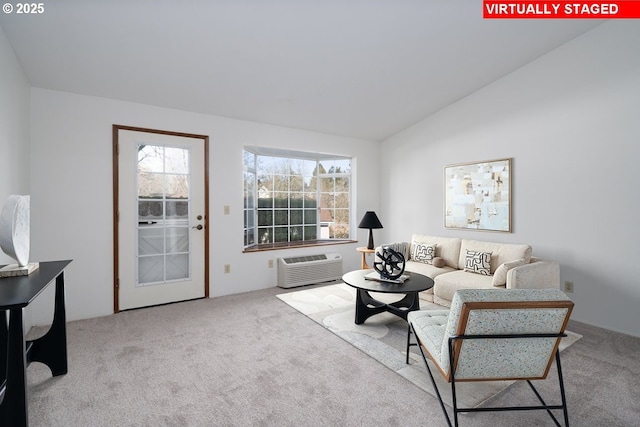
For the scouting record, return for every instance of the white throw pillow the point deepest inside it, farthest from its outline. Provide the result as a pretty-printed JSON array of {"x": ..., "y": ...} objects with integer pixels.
[
  {"x": 423, "y": 252},
  {"x": 500, "y": 275},
  {"x": 478, "y": 262}
]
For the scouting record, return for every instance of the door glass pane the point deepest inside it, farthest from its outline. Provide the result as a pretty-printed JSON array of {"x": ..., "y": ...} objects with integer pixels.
[
  {"x": 177, "y": 266},
  {"x": 163, "y": 227},
  {"x": 150, "y": 269},
  {"x": 149, "y": 210},
  {"x": 176, "y": 187},
  {"x": 150, "y": 185},
  {"x": 150, "y": 241},
  {"x": 177, "y": 209},
  {"x": 177, "y": 239},
  {"x": 150, "y": 158},
  {"x": 177, "y": 160}
]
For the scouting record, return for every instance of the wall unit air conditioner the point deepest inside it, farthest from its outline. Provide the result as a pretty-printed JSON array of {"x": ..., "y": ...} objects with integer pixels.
[{"x": 310, "y": 269}]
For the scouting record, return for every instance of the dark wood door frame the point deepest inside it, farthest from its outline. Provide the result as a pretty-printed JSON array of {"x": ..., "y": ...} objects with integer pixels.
[{"x": 205, "y": 138}]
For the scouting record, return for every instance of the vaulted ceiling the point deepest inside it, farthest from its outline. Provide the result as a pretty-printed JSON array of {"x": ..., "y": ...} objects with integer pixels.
[{"x": 360, "y": 68}]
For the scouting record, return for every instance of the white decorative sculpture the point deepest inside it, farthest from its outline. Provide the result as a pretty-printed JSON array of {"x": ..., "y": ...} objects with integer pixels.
[{"x": 14, "y": 235}]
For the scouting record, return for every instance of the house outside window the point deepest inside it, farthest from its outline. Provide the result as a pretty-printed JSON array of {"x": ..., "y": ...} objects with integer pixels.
[{"x": 295, "y": 197}]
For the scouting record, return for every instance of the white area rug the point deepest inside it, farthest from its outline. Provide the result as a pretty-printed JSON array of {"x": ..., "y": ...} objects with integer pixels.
[{"x": 384, "y": 336}]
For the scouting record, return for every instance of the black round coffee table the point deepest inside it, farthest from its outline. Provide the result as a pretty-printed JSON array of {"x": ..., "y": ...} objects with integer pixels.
[{"x": 367, "y": 306}]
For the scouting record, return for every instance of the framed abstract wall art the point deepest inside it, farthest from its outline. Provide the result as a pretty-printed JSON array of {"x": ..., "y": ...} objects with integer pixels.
[{"x": 478, "y": 195}]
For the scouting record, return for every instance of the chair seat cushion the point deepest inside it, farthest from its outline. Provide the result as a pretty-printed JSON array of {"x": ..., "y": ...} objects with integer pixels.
[{"x": 430, "y": 326}]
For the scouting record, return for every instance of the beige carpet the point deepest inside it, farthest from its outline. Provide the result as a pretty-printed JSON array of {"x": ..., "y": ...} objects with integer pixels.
[{"x": 383, "y": 337}]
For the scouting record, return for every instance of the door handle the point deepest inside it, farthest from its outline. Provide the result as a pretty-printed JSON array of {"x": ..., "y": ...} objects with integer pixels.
[{"x": 198, "y": 227}]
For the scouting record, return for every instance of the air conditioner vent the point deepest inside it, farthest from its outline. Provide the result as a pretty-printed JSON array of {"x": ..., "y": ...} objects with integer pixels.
[
  {"x": 309, "y": 269},
  {"x": 298, "y": 259}
]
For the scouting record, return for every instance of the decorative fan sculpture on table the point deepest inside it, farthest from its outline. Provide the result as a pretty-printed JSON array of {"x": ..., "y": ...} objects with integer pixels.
[
  {"x": 14, "y": 236},
  {"x": 391, "y": 264}
]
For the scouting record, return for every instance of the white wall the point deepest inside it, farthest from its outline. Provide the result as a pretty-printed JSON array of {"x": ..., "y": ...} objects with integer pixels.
[
  {"x": 14, "y": 134},
  {"x": 14, "y": 127},
  {"x": 72, "y": 192},
  {"x": 570, "y": 122}
]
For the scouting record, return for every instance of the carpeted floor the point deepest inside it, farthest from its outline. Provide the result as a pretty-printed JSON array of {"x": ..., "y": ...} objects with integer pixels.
[
  {"x": 384, "y": 338},
  {"x": 250, "y": 360}
]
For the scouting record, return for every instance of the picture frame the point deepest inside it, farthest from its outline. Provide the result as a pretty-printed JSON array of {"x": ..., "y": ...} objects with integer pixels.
[{"x": 478, "y": 195}]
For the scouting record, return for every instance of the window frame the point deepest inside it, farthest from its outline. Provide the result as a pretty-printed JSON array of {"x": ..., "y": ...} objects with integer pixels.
[{"x": 325, "y": 232}]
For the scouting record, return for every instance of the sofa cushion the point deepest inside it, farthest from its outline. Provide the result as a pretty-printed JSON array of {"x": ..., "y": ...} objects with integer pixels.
[
  {"x": 500, "y": 275},
  {"x": 447, "y": 284},
  {"x": 478, "y": 262},
  {"x": 500, "y": 252},
  {"x": 426, "y": 269},
  {"x": 423, "y": 252},
  {"x": 447, "y": 248}
]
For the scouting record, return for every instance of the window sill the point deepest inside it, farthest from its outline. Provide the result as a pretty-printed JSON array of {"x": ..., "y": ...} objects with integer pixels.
[{"x": 292, "y": 245}]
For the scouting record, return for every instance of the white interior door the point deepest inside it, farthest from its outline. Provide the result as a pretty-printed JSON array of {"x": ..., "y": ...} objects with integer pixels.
[{"x": 160, "y": 219}]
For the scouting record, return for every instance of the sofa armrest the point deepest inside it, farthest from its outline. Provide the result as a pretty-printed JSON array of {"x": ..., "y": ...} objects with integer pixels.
[{"x": 535, "y": 275}]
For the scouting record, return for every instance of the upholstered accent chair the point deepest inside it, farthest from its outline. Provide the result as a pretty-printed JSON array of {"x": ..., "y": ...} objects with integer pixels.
[{"x": 494, "y": 334}]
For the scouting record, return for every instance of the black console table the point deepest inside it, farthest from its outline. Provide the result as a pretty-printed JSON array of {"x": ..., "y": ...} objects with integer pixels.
[{"x": 16, "y": 352}]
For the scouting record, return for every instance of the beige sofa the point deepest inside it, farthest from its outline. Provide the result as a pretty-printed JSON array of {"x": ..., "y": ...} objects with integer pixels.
[{"x": 474, "y": 264}]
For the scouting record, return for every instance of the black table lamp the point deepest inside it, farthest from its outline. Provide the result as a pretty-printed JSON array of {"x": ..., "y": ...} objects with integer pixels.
[{"x": 370, "y": 220}]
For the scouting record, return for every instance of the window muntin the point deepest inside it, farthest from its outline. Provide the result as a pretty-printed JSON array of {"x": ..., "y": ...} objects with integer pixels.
[{"x": 295, "y": 199}]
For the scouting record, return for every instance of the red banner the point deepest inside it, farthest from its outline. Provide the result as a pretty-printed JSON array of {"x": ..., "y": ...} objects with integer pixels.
[{"x": 502, "y": 9}]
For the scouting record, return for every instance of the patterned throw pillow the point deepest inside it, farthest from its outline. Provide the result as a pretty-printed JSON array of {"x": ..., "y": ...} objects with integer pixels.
[
  {"x": 478, "y": 262},
  {"x": 423, "y": 252}
]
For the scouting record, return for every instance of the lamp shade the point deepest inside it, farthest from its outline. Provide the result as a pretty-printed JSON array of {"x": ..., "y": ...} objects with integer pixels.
[{"x": 370, "y": 220}]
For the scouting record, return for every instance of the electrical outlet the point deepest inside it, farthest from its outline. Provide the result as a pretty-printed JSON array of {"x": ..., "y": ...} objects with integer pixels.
[
  {"x": 227, "y": 268},
  {"x": 270, "y": 263},
  {"x": 227, "y": 209},
  {"x": 568, "y": 286}
]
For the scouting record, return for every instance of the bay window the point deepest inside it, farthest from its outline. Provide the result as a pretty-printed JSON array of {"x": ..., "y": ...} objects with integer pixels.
[{"x": 295, "y": 197}]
